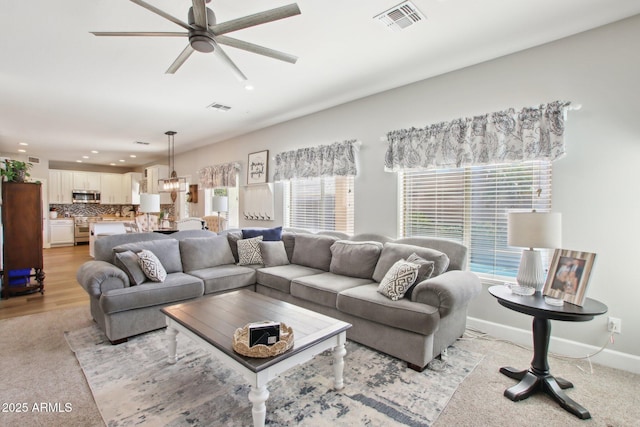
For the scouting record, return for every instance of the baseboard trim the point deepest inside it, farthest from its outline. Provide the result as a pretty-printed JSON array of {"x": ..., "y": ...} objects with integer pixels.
[{"x": 607, "y": 357}]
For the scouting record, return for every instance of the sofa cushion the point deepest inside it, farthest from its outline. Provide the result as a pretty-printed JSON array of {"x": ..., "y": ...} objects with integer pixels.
[
  {"x": 249, "y": 251},
  {"x": 176, "y": 287},
  {"x": 392, "y": 252},
  {"x": 204, "y": 252},
  {"x": 167, "y": 251},
  {"x": 365, "y": 302},
  {"x": 323, "y": 288},
  {"x": 273, "y": 253},
  {"x": 289, "y": 240},
  {"x": 398, "y": 279},
  {"x": 225, "y": 277},
  {"x": 355, "y": 259},
  {"x": 280, "y": 277},
  {"x": 127, "y": 261},
  {"x": 312, "y": 250},
  {"x": 424, "y": 273},
  {"x": 268, "y": 234}
]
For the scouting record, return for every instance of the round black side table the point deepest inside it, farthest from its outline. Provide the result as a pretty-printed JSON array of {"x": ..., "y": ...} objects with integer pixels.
[{"x": 537, "y": 377}]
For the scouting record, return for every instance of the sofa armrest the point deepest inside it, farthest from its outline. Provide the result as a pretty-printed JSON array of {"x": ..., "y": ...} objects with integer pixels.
[
  {"x": 448, "y": 291},
  {"x": 97, "y": 277}
]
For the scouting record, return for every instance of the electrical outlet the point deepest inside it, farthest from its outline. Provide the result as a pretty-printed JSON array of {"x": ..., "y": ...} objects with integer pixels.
[{"x": 614, "y": 325}]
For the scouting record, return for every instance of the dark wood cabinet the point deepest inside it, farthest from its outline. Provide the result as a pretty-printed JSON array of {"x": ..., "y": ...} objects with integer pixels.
[{"x": 22, "y": 236}]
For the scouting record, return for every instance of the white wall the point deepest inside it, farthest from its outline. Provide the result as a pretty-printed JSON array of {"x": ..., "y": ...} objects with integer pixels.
[{"x": 595, "y": 185}]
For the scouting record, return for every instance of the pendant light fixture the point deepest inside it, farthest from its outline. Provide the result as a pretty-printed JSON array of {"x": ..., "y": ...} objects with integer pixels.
[{"x": 174, "y": 183}]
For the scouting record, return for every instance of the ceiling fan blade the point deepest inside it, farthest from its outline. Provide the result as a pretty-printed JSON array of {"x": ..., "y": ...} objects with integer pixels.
[
  {"x": 255, "y": 19},
  {"x": 230, "y": 63},
  {"x": 138, "y": 34},
  {"x": 186, "y": 53},
  {"x": 200, "y": 14},
  {"x": 254, "y": 48},
  {"x": 161, "y": 13}
]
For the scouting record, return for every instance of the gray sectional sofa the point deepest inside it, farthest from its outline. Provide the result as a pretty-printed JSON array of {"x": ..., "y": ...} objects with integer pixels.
[{"x": 329, "y": 273}]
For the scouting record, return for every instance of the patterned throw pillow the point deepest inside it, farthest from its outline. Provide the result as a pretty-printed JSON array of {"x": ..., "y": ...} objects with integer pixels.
[
  {"x": 398, "y": 279},
  {"x": 151, "y": 266},
  {"x": 249, "y": 251}
]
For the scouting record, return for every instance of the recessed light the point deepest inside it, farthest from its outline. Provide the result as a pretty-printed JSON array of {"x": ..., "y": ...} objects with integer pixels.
[
  {"x": 22, "y": 151},
  {"x": 24, "y": 144},
  {"x": 133, "y": 156},
  {"x": 121, "y": 160},
  {"x": 85, "y": 157},
  {"x": 95, "y": 151},
  {"x": 248, "y": 86},
  {"x": 78, "y": 161},
  {"x": 112, "y": 164}
]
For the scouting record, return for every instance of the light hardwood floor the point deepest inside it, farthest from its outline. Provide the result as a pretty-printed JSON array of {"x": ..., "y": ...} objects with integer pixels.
[{"x": 61, "y": 290}]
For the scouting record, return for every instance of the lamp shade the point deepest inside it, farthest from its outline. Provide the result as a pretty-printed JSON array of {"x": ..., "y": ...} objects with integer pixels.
[
  {"x": 220, "y": 204},
  {"x": 534, "y": 229},
  {"x": 149, "y": 202}
]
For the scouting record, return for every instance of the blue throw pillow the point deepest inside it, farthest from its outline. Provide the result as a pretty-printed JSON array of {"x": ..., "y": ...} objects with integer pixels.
[{"x": 268, "y": 234}]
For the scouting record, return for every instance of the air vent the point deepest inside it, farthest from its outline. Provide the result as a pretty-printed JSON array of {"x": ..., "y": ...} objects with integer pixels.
[
  {"x": 401, "y": 16},
  {"x": 141, "y": 142},
  {"x": 33, "y": 159},
  {"x": 219, "y": 107}
]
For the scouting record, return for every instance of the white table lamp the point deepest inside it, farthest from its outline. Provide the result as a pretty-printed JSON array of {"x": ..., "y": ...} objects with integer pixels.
[
  {"x": 219, "y": 204},
  {"x": 149, "y": 203},
  {"x": 533, "y": 230}
]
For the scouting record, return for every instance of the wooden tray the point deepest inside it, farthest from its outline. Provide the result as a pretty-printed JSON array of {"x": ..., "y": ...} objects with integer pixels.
[{"x": 241, "y": 343}]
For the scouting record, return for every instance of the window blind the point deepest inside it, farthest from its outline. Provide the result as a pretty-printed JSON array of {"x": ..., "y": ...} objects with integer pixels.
[
  {"x": 470, "y": 205},
  {"x": 320, "y": 204}
]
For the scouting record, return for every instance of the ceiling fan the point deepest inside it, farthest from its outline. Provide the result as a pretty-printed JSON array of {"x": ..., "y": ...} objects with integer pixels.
[{"x": 206, "y": 35}]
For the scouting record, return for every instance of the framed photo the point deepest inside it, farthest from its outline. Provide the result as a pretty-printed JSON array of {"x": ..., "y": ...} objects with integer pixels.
[
  {"x": 569, "y": 275},
  {"x": 257, "y": 167}
]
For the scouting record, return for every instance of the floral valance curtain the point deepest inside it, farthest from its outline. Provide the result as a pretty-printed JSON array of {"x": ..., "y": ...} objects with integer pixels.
[
  {"x": 337, "y": 159},
  {"x": 217, "y": 176},
  {"x": 533, "y": 133}
]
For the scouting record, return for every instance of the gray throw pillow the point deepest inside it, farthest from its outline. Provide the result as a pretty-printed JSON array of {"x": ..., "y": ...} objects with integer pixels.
[
  {"x": 249, "y": 251},
  {"x": 398, "y": 279},
  {"x": 424, "y": 273},
  {"x": 273, "y": 254},
  {"x": 354, "y": 259},
  {"x": 127, "y": 261},
  {"x": 167, "y": 251},
  {"x": 151, "y": 266}
]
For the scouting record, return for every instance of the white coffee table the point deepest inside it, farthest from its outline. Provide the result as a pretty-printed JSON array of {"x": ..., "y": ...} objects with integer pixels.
[{"x": 211, "y": 321}]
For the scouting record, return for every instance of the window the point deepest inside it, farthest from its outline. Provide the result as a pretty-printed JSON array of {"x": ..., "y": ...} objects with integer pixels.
[
  {"x": 319, "y": 204},
  {"x": 232, "y": 215},
  {"x": 470, "y": 205}
]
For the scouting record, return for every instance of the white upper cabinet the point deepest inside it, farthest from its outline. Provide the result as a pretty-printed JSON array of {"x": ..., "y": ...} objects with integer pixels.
[
  {"x": 86, "y": 181},
  {"x": 60, "y": 186}
]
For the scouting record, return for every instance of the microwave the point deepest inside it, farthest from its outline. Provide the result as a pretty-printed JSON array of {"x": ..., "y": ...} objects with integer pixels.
[{"x": 85, "y": 196}]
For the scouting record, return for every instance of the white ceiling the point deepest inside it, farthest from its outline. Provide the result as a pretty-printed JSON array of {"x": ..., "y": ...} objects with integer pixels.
[{"x": 66, "y": 92}]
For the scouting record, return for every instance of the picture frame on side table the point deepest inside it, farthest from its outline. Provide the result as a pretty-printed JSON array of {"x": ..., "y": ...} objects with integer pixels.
[{"x": 569, "y": 275}]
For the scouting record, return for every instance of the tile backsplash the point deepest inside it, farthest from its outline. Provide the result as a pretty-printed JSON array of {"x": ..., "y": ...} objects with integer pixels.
[{"x": 88, "y": 209}]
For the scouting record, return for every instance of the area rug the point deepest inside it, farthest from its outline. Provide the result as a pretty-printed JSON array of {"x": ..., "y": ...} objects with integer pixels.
[{"x": 133, "y": 384}]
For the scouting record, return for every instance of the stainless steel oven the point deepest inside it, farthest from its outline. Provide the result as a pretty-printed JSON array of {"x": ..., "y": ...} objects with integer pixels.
[{"x": 81, "y": 230}]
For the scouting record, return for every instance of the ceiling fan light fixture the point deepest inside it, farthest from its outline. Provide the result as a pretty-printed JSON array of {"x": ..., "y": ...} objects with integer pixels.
[{"x": 202, "y": 43}]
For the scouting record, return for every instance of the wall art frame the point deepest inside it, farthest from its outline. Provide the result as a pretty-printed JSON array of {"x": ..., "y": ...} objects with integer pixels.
[
  {"x": 258, "y": 167},
  {"x": 569, "y": 275}
]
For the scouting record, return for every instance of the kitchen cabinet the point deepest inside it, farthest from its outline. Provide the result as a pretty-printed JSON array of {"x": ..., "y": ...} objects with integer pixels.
[
  {"x": 152, "y": 175},
  {"x": 86, "y": 180},
  {"x": 60, "y": 186},
  {"x": 22, "y": 236},
  {"x": 111, "y": 189},
  {"x": 61, "y": 232},
  {"x": 131, "y": 188}
]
